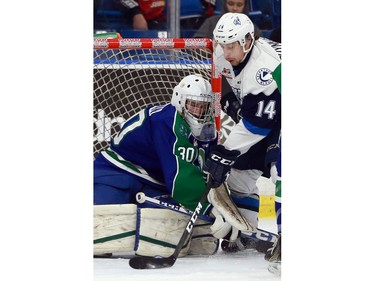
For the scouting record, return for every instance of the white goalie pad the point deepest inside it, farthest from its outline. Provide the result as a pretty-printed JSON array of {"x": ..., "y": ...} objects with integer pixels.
[
  {"x": 202, "y": 241},
  {"x": 221, "y": 200},
  {"x": 158, "y": 232},
  {"x": 114, "y": 228}
]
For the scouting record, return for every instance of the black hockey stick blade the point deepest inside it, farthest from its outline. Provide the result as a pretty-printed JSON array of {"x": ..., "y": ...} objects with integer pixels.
[
  {"x": 141, "y": 262},
  {"x": 151, "y": 262}
]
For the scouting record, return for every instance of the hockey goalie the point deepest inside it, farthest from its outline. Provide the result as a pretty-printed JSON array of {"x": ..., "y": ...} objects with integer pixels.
[{"x": 160, "y": 153}]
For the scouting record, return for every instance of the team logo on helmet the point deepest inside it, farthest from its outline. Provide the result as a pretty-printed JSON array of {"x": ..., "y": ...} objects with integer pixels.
[
  {"x": 264, "y": 76},
  {"x": 237, "y": 21}
]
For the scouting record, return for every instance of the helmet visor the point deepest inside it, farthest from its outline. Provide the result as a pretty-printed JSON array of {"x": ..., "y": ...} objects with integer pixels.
[{"x": 201, "y": 110}]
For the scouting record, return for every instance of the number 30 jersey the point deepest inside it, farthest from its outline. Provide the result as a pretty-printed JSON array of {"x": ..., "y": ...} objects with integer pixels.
[{"x": 157, "y": 146}]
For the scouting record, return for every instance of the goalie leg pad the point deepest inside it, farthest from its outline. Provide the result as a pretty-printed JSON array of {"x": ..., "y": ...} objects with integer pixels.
[
  {"x": 202, "y": 241},
  {"x": 220, "y": 228},
  {"x": 248, "y": 207},
  {"x": 114, "y": 228},
  {"x": 245, "y": 193},
  {"x": 160, "y": 231},
  {"x": 221, "y": 200}
]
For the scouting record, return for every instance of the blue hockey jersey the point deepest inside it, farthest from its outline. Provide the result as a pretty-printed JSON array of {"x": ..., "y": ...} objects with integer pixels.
[{"x": 157, "y": 146}]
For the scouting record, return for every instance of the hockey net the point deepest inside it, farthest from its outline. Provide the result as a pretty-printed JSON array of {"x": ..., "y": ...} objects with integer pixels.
[{"x": 130, "y": 74}]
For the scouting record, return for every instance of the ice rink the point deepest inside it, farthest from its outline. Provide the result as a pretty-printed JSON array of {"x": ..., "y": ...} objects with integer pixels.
[{"x": 246, "y": 265}]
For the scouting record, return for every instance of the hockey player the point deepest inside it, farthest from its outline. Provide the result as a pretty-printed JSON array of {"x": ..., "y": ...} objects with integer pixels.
[
  {"x": 160, "y": 151},
  {"x": 273, "y": 254},
  {"x": 247, "y": 62}
]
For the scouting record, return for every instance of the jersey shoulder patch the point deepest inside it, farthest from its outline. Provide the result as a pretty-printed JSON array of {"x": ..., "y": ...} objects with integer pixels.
[{"x": 264, "y": 76}]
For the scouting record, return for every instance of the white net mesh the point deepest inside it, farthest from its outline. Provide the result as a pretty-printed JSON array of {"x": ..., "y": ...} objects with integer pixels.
[{"x": 130, "y": 74}]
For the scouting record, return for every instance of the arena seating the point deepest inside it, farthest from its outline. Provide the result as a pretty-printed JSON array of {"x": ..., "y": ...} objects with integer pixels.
[{"x": 266, "y": 14}]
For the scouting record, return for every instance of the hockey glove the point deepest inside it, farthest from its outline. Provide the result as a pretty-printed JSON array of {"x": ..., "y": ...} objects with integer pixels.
[{"x": 219, "y": 162}]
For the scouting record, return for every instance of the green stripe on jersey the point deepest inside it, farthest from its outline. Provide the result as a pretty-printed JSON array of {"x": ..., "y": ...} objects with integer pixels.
[{"x": 189, "y": 184}]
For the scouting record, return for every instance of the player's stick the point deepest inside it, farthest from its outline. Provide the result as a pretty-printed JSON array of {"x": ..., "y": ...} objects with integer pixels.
[{"x": 140, "y": 262}]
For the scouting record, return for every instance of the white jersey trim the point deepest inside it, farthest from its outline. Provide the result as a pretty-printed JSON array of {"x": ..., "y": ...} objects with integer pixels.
[{"x": 142, "y": 172}]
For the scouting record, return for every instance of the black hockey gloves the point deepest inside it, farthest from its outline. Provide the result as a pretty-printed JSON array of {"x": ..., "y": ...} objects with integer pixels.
[{"x": 219, "y": 162}]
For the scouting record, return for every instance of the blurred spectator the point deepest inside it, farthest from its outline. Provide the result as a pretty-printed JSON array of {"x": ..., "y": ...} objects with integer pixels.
[
  {"x": 233, "y": 6},
  {"x": 145, "y": 14},
  {"x": 149, "y": 14},
  {"x": 136, "y": 14},
  {"x": 200, "y": 10}
]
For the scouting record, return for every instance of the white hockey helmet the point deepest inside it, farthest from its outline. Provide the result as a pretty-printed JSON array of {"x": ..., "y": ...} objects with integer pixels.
[
  {"x": 193, "y": 99},
  {"x": 233, "y": 27}
]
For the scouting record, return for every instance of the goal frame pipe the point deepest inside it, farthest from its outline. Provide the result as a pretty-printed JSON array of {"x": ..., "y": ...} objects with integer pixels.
[{"x": 170, "y": 43}]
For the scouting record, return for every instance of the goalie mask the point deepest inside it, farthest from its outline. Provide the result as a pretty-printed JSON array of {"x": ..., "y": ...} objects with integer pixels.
[
  {"x": 193, "y": 99},
  {"x": 234, "y": 27}
]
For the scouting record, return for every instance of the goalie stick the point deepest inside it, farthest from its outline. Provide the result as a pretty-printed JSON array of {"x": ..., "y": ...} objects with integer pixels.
[
  {"x": 141, "y": 262},
  {"x": 260, "y": 235},
  {"x": 141, "y": 198}
]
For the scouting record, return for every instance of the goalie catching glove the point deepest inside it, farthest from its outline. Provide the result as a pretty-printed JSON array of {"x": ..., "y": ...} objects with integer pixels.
[{"x": 218, "y": 164}]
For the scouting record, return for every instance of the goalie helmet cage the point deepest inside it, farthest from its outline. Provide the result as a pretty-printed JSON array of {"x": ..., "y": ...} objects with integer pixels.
[{"x": 130, "y": 74}]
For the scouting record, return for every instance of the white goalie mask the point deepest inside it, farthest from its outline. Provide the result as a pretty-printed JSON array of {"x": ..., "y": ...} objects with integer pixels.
[
  {"x": 233, "y": 27},
  {"x": 193, "y": 99}
]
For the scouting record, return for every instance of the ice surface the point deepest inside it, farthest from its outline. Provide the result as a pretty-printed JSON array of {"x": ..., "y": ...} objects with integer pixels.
[{"x": 245, "y": 265}]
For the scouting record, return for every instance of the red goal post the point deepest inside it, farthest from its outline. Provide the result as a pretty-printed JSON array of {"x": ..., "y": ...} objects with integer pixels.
[{"x": 132, "y": 73}]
